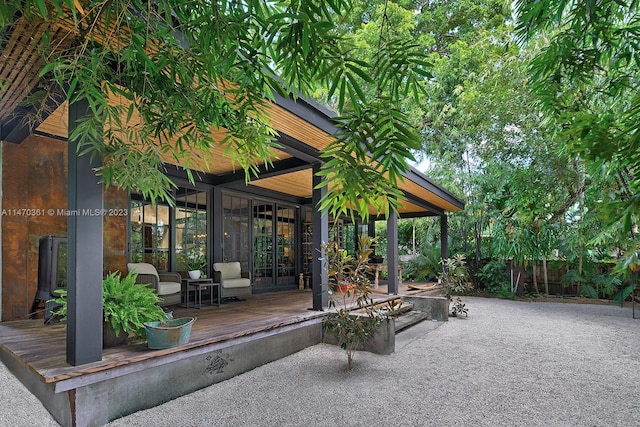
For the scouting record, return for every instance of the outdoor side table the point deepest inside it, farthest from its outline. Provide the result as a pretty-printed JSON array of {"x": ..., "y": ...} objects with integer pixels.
[{"x": 198, "y": 285}]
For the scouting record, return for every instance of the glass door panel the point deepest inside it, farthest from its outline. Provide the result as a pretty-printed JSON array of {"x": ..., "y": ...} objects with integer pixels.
[
  {"x": 150, "y": 233},
  {"x": 235, "y": 245},
  {"x": 263, "y": 245},
  {"x": 191, "y": 229},
  {"x": 286, "y": 246}
]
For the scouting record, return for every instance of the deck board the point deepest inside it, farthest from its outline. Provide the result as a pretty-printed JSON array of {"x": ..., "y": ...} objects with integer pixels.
[{"x": 42, "y": 348}]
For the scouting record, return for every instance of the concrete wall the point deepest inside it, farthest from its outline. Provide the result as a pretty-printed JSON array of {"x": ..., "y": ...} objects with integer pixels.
[
  {"x": 383, "y": 342},
  {"x": 436, "y": 308},
  {"x": 96, "y": 399}
]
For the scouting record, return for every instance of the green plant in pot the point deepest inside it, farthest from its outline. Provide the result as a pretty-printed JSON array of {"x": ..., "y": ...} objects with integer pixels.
[
  {"x": 193, "y": 261},
  {"x": 353, "y": 317},
  {"x": 125, "y": 307}
]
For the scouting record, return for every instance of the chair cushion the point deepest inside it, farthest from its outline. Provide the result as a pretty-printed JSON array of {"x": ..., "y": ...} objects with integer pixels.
[
  {"x": 236, "y": 283},
  {"x": 228, "y": 270},
  {"x": 167, "y": 288},
  {"x": 143, "y": 268}
]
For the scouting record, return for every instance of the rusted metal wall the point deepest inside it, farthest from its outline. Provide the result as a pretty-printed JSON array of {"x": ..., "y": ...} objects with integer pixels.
[
  {"x": 34, "y": 203},
  {"x": 34, "y": 188}
]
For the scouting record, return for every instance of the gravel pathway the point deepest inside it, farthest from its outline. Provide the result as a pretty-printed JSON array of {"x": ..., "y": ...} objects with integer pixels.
[{"x": 508, "y": 364}]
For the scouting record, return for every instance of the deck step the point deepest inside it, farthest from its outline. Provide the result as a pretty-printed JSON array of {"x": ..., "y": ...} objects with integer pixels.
[{"x": 410, "y": 318}]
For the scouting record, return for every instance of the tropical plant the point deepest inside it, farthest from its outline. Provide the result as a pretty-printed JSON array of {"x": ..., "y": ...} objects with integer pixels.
[
  {"x": 186, "y": 71},
  {"x": 192, "y": 260},
  {"x": 586, "y": 78},
  {"x": 353, "y": 317},
  {"x": 125, "y": 305},
  {"x": 493, "y": 276},
  {"x": 455, "y": 280},
  {"x": 426, "y": 266}
]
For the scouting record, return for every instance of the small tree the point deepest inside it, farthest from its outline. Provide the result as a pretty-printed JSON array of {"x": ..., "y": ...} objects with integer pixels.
[
  {"x": 455, "y": 279},
  {"x": 354, "y": 318}
]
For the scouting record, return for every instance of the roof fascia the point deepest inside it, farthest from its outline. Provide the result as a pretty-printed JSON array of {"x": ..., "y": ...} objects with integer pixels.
[
  {"x": 422, "y": 180},
  {"x": 309, "y": 111}
]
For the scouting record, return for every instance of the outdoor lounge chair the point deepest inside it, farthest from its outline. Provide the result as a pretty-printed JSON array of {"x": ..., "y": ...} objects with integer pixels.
[
  {"x": 167, "y": 285},
  {"x": 233, "y": 281}
]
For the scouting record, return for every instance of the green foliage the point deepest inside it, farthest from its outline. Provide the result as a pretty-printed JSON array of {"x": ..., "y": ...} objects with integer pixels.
[
  {"x": 425, "y": 266},
  {"x": 192, "y": 260},
  {"x": 495, "y": 278},
  {"x": 586, "y": 77},
  {"x": 184, "y": 70},
  {"x": 125, "y": 305},
  {"x": 455, "y": 280},
  {"x": 353, "y": 317}
]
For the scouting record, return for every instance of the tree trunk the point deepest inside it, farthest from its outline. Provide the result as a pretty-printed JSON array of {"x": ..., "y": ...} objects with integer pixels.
[
  {"x": 535, "y": 280},
  {"x": 545, "y": 275},
  {"x": 580, "y": 275}
]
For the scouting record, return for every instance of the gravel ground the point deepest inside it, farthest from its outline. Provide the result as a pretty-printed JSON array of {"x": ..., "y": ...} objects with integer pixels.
[{"x": 508, "y": 364}]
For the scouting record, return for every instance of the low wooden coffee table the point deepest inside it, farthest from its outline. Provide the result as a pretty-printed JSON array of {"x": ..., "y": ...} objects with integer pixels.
[{"x": 198, "y": 285}]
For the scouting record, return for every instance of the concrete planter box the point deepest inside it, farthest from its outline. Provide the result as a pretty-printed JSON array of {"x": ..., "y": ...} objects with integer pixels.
[{"x": 383, "y": 342}]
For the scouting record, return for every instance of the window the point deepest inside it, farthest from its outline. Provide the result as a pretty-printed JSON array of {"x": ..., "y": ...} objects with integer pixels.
[
  {"x": 164, "y": 236},
  {"x": 191, "y": 227},
  {"x": 235, "y": 244},
  {"x": 150, "y": 233}
]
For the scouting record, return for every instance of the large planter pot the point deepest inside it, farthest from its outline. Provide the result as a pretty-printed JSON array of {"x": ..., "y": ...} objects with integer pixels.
[
  {"x": 109, "y": 337},
  {"x": 170, "y": 333},
  {"x": 195, "y": 274},
  {"x": 344, "y": 287}
]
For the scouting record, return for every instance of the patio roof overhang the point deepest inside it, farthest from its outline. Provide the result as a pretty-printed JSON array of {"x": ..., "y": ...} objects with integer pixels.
[{"x": 304, "y": 128}]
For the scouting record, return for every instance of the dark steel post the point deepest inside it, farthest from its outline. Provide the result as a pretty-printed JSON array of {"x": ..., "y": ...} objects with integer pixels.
[
  {"x": 444, "y": 237},
  {"x": 392, "y": 253},
  {"x": 84, "y": 251},
  {"x": 320, "y": 236}
]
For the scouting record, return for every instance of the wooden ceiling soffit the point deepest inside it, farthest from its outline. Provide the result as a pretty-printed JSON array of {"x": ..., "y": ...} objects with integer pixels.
[
  {"x": 277, "y": 168},
  {"x": 409, "y": 186},
  {"x": 215, "y": 161},
  {"x": 20, "y": 66},
  {"x": 299, "y": 184}
]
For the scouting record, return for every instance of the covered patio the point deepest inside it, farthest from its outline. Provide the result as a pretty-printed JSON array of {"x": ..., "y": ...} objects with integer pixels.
[{"x": 43, "y": 174}]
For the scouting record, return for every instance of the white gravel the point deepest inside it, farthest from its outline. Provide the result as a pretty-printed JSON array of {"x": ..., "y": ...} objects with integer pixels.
[{"x": 508, "y": 364}]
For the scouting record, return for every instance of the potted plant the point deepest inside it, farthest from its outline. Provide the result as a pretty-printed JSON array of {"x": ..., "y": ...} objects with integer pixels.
[
  {"x": 126, "y": 306},
  {"x": 193, "y": 261}
]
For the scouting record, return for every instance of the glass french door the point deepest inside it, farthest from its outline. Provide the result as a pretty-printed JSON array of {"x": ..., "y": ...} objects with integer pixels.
[
  {"x": 191, "y": 228},
  {"x": 235, "y": 243},
  {"x": 285, "y": 245},
  {"x": 273, "y": 246},
  {"x": 150, "y": 233},
  {"x": 263, "y": 265}
]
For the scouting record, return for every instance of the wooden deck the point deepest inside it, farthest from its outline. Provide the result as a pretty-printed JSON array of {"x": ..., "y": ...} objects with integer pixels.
[
  {"x": 43, "y": 347},
  {"x": 264, "y": 326}
]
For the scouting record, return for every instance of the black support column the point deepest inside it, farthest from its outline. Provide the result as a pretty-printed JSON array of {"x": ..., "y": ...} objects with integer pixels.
[
  {"x": 216, "y": 229},
  {"x": 320, "y": 236},
  {"x": 444, "y": 237},
  {"x": 392, "y": 252},
  {"x": 84, "y": 252}
]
